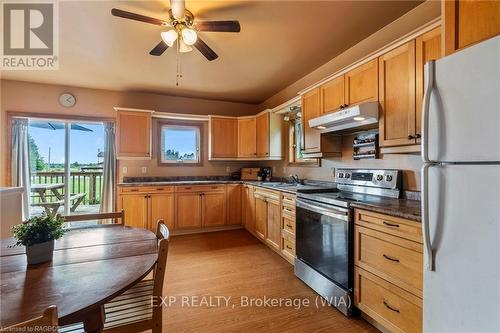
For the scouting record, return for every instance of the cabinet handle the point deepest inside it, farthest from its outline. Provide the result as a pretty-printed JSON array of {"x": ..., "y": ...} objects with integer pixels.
[
  {"x": 390, "y": 307},
  {"x": 345, "y": 105},
  {"x": 390, "y": 258},
  {"x": 145, "y": 197},
  {"x": 418, "y": 136},
  {"x": 160, "y": 189},
  {"x": 134, "y": 190},
  {"x": 187, "y": 188},
  {"x": 411, "y": 137},
  {"x": 341, "y": 106},
  {"x": 288, "y": 247},
  {"x": 289, "y": 225},
  {"x": 390, "y": 224},
  {"x": 214, "y": 187}
]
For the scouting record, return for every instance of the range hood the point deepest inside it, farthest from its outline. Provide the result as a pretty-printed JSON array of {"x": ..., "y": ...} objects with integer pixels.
[{"x": 351, "y": 119}]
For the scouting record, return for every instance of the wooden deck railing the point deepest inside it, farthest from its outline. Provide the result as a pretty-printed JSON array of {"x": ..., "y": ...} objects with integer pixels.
[{"x": 88, "y": 182}]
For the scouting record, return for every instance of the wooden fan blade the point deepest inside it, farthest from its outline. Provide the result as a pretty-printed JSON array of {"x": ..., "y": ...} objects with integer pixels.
[
  {"x": 136, "y": 17},
  {"x": 205, "y": 49},
  {"x": 159, "y": 49},
  {"x": 219, "y": 26}
]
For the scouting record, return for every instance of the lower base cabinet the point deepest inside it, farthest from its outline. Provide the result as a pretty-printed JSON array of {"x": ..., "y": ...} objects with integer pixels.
[
  {"x": 273, "y": 238},
  {"x": 260, "y": 217},
  {"x": 162, "y": 208},
  {"x": 248, "y": 207},
  {"x": 135, "y": 207},
  {"x": 214, "y": 209},
  {"x": 188, "y": 209}
]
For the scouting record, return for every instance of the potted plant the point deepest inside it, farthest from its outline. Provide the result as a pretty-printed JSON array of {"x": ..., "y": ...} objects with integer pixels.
[{"x": 38, "y": 235}]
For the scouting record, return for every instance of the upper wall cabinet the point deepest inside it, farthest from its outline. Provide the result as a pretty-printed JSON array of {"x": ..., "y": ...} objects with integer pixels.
[
  {"x": 246, "y": 138},
  {"x": 397, "y": 96},
  {"x": 427, "y": 47},
  {"x": 224, "y": 131},
  {"x": 467, "y": 22},
  {"x": 332, "y": 95},
  {"x": 133, "y": 133},
  {"x": 361, "y": 84}
]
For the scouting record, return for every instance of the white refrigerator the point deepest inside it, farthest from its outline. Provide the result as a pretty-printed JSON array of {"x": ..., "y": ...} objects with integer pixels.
[{"x": 461, "y": 191}]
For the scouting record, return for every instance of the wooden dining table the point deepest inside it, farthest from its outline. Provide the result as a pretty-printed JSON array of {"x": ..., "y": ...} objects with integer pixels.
[{"x": 90, "y": 267}]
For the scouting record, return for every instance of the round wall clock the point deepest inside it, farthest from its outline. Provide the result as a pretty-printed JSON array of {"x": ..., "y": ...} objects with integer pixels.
[{"x": 67, "y": 100}]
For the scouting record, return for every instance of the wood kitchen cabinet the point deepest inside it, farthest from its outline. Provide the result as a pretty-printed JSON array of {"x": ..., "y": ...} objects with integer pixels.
[
  {"x": 188, "y": 209},
  {"x": 133, "y": 134},
  {"x": 262, "y": 123},
  {"x": 467, "y": 22},
  {"x": 316, "y": 145},
  {"x": 248, "y": 215},
  {"x": 268, "y": 217},
  {"x": 223, "y": 137},
  {"x": 273, "y": 238},
  {"x": 388, "y": 272},
  {"x": 361, "y": 84},
  {"x": 247, "y": 137},
  {"x": 260, "y": 217},
  {"x": 332, "y": 95},
  {"x": 397, "y": 125},
  {"x": 214, "y": 208},
  {"x": 234, "y": 205},
  {"x": 427, "y": 47},
  {"x": 144, "y": 206}
]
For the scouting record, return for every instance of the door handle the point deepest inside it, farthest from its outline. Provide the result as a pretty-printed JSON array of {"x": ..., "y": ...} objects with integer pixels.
[
  {"x": 425, "y": 217},
  {"x": 430, "y": 68}
]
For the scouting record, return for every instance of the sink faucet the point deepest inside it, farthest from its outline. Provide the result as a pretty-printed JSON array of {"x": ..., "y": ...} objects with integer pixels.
[{"x": 295, "y": 179}]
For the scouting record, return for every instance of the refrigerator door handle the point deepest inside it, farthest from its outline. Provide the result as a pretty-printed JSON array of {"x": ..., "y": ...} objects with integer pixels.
[
  {"x": 430, "y": 69},
  {"x": 425, "y": 217}
]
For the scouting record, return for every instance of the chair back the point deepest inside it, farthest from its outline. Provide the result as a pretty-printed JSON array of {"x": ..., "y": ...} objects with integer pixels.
[
  {"x": 47, "y": 322},
  {"x": 98, "y": 216},
  {"x": 163, "y": 235}
]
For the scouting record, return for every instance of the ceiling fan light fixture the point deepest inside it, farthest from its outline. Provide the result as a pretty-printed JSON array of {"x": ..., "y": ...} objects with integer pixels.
[
  {"x": 169, "y": 37},
  {"x": 189, "y": 36},
  {"x": 183, "y": 47}
]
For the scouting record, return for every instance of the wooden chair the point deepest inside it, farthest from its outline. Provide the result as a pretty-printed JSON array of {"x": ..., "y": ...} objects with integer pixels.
[
  {"x": 98, "y": 216},
  {"x": 47, "y": 322},
  {"x": 139, "y": 308}
]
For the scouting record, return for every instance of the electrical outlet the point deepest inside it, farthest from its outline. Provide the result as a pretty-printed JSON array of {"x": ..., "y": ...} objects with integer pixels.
[
  {"x": 124, "y": 170},
  {"x": 332, "y": 172},
  {"x": 144, "y": 169},
  {"x": 228, "y": 169}
]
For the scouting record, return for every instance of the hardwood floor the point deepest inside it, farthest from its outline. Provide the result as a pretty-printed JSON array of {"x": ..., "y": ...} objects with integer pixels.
[{"x": 234, "y": 264}]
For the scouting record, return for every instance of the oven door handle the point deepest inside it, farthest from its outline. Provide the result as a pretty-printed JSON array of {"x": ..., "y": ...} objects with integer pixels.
[{"x": 341, "y": 215}]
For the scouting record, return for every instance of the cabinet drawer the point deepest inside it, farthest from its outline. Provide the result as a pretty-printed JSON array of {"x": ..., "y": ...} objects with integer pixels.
[
  {"x": 288, "y": 224},
  {"x": 396, "y": 309},
  {"x": 268, "y": 194},
  {"x": 397, "y": 260},
  {"x": 389, "y": 224},
  {"x": 200, "y": 188},
  {"x": 146, "y": 189},
  {"x": 288, "y": 246},
  {"x": 288, "y": 199},
  {"x": 288, "y": 211}
]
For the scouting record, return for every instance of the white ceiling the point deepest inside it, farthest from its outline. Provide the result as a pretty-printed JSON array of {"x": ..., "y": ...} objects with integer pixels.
[{"x": 279, "y": 42}]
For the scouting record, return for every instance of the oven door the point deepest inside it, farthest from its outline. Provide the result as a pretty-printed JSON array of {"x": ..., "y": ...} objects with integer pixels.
[{"x": 324, "y": 240}]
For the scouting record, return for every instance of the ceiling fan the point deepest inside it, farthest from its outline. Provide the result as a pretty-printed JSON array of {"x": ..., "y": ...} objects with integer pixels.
[{"x": 182, "y": 27}]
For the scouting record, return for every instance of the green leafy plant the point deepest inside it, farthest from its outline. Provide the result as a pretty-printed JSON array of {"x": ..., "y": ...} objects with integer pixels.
[{"x": 38, "y": 229}]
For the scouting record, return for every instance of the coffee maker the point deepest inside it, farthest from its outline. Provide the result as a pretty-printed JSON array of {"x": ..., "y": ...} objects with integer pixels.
[{"x": 267, "y": 173}]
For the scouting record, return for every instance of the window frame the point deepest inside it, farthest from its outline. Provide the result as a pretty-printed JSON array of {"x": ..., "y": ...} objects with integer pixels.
[
  {"x": 201, "y": 143},
  {"x": 292, "y": 146}
]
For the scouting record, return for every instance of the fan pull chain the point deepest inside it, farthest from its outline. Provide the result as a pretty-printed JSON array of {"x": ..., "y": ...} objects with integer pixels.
[{"x": 179, "y": 68}]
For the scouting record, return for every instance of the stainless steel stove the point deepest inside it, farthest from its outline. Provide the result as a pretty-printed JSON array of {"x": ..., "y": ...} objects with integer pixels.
[{"x": 324, "y": 244}]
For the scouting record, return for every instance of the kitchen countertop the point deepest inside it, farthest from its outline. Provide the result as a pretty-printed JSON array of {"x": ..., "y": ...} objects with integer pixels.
[{"x": 404, "y": 208}]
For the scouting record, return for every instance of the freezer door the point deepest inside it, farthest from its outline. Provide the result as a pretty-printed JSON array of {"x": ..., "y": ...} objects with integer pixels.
[
  {"x": 464, "y": 112},
  {"x": 462, "y": 294}
]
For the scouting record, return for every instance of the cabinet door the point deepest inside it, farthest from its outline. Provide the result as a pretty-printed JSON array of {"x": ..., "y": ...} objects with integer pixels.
[
  {"x": 162, "y": 207},
  {"x": 136, "y": 210},
  {"x": 311, "y": 108},
  {"x": 223, "y": 137},
  {"x": 332, "y": 95},
  {"x": 247, "y": 137},
  {"x": 249, "y": 209},
  {"x": 262, "y": 123},
  {"x": 260, "y": 217},
  {"x": 468, "y": 22},
  {"x": 397, "y": 96},
  {"x": 273, "y": 224},
  {"x": 361, "y": 84},
  {"x": 233, "y": 199},
  {"x": 427, "y": 47},
  {"x": 214, "y": 209},
  {"x": 133, "y": 134},
  {"x": 188, "y": 210}
]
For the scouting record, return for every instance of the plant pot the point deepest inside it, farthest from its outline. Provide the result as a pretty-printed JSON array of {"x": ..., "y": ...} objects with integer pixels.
[{"x": 39, "y": 253}]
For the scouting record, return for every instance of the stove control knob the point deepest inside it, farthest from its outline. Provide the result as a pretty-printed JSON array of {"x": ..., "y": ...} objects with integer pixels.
[
  {"x": 388, "y": 178},
  {"x": 341, "y": 175},
  {"x": 380, "y": 178},
  {"x": 347, "y": 175}
]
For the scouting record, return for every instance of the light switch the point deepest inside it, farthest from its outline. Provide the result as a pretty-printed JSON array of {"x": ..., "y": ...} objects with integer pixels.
[{"x": 124, "y": 170}]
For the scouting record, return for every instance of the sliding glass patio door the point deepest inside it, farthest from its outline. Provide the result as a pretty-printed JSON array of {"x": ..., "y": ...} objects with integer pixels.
[{"x": 66, "y": 164}]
